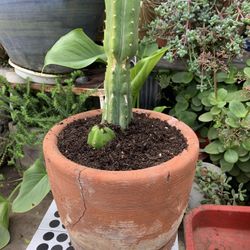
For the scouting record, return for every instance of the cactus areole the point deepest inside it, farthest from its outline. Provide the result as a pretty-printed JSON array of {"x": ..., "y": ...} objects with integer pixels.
[{"x": 120, "y": 45}]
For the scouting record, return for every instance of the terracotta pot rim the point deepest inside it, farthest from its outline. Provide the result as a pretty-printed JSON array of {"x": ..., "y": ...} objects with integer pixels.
[{"x": 52, "y": 152}]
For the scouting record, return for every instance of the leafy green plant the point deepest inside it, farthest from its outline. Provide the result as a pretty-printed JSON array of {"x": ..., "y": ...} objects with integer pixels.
[
  {"x": 229, "y": 133},
  {"x": 216, "y": 188},
  {"x": 207, "y": 33},
  {"x": 33, "y": 113}
]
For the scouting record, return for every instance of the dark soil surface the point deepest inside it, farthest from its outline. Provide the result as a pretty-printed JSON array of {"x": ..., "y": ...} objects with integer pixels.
[{"x": 147, "y": 142}]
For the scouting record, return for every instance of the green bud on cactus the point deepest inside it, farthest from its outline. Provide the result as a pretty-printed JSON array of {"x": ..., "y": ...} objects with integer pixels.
[{"x": 99, "y": 136}]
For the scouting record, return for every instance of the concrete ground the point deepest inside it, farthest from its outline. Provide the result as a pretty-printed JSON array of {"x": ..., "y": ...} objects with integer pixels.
[{"x": 23, "y": 226}]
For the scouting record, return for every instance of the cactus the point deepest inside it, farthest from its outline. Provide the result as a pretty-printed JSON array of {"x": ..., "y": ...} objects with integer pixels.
[{"x": 120, "y": 44}]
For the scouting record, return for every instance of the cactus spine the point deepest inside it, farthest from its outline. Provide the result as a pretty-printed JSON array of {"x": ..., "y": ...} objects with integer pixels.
[{"x": 120, "y": 44}]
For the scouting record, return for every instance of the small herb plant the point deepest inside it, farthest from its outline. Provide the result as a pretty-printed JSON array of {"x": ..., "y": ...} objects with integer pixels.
[
  {"x": 207, "y": 33},
  {"x": 217, "y": 189}
]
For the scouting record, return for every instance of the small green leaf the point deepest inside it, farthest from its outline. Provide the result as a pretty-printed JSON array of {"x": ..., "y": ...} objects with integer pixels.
[
  {"x": 247, "y": 71},
  {"x": 246, "y": 144},
  {"x": 212, "y": 133},
  {"x": 231, "y": 156},
  {"x": 221, "y": 76},
  {"x": 222, "y": 94},
  {"x": 244, "y": 158},
  {"x": 248, "y": 62},
  {"x": 234, "y": 123},
  {"x": 215, "y": 158},
  {"x": 215, "y": 110},
  {"x": 213, "y": 148},
  {"x": 188, "y": 117},
  {"x": 34, "y": 187},
  {"x": 160, "y": 109},
  {"x": 4, "y": 222},
  {"x": 182, "y": 77},
  {"x": 242, "y": 178},
  {"x": 196, "y": 101},
  {"x": 235, "y": 171},
  {"x": 75, "y": 50},
  {"x": 226, "y": 166},
  {"x": 206, "y": 117},
  {"x": 238, "y": 109},
  {"x": 181, "y": 106}
]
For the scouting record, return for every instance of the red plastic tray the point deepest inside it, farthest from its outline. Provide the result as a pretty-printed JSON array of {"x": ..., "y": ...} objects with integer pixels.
[{"x": 217, "y": 227}]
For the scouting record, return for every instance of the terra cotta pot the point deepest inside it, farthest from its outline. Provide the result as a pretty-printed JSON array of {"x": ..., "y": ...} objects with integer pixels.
[{"x": 111, "y": 210}]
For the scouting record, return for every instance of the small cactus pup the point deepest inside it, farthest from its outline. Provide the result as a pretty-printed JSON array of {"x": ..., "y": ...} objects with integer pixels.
[{"x": 120, "y": 45}]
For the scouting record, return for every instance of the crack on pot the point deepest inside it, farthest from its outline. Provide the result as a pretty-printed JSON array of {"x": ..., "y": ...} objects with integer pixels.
[{"x": 83, "y": 199}]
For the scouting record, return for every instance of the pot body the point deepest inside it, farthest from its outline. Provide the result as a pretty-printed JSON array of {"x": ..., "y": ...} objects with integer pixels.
[
  {"x": 139, "y": 209},
  {"x": 28, "y": 29}
]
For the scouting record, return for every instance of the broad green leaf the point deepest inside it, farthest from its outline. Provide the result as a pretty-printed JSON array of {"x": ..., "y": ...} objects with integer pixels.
[
  {"x": 231, "y": 156},
  {"x": 246, "y": 144},
  {"x": 182, "y": 77},
  {"x": 146, "y": 49},
  {"x": 196, "y": 108},
  {"x": 160, "y": 109},
  {"x": 188, "y": 117},
  {"x": 240, "y": 96},
  {"x": 238, "y": 109},
  {"x": 222, "y": 94},
  {"x": 242, "y": 151},
  {"x": 4, "y": 222},
  {"x": 215, "y": 110},
  {"x": 234, "y": 123},
  {"x": 34, "y": 187},
  {"x": 245, "y": 158},
  {"x": 235, "y": 171},
  {"x": 142, "y": 69},
  {"x": 221, "y": 76},
  {"x": 206, "y": 117},
  {"x": 181, "y": 106},
  {"x": 226, "y": 166},
  {"x": 215, "y": 158},
  {"x": 75, "y": 50},
  {"x": 213, "y": 148},
  {"x": 212, "y": 133},
  {"x": 247, "y": 71},
  {"x": 242, "y": 178},
  {"x": 196, "y": 101}
]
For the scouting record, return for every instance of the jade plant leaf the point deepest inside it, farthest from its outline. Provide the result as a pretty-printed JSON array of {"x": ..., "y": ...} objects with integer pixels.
[
  {"x": 182, "y": 77},
  {"x": 226, "y": 166},
  {"x": 247, "y": 71},
  {"x": 231, "y": 156},
  {"x": 206, "y": 117},
  {"x": 4, "y": 222},
  {"x": 244, "y": 166},
  {"x": 214, "y": 147},
  {"x": 212, "y": 133},
  {"x": 238, "y": 109},
  {"x": 188, "y": 117},
  {"x": 75, "y": 50},
  {"x": 34, "y": 187}
]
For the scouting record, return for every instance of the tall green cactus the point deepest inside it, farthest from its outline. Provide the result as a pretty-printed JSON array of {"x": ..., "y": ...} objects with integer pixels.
[{"x": 120, "y": 44}]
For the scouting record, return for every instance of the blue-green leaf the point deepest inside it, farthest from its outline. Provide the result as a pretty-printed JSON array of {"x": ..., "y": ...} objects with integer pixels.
[
  {"x": 75, "y": 50},
  {"x": 142, "y": 69},
  {"x": 34, "y": 187},
  {"x": 4, "y": 222}
]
